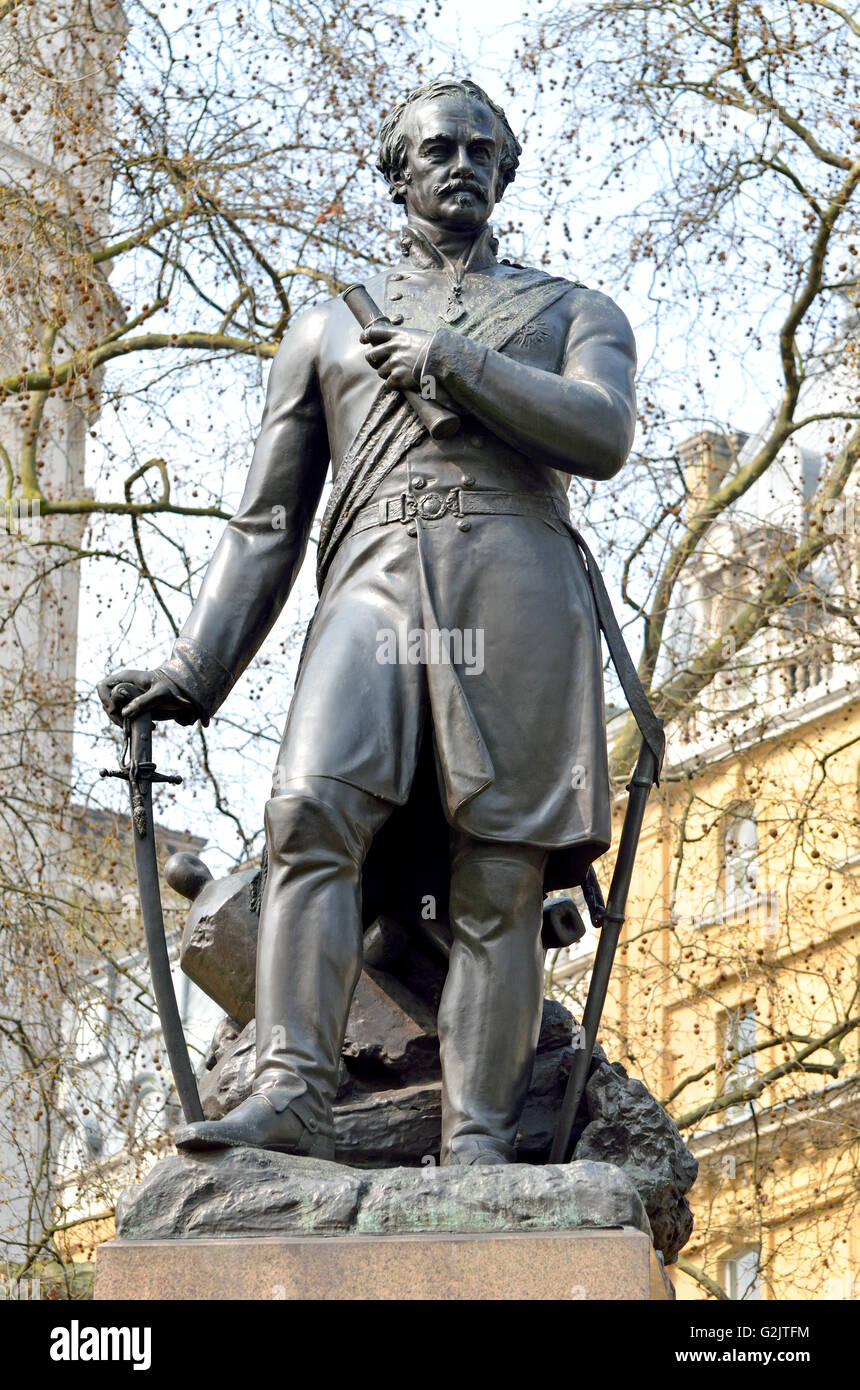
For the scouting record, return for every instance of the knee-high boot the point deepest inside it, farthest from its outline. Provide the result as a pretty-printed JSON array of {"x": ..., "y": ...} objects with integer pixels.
[{"x": 489, "y": 1018}]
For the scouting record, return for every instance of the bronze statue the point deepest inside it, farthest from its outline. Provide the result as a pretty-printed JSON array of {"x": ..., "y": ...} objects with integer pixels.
[{"x": 445, "y": 743}]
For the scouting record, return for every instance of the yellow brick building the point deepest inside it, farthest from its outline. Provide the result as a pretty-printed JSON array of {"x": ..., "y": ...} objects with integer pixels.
[{"x": 736, "y": 993}]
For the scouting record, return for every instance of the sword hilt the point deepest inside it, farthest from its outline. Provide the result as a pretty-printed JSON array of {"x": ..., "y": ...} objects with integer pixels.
[
  {"x": 135, "y": 760},
  {"x": 146, "y": 772}
]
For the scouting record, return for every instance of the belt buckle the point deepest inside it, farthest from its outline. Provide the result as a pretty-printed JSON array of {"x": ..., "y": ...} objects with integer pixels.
[{"x": 431, "y": 505}]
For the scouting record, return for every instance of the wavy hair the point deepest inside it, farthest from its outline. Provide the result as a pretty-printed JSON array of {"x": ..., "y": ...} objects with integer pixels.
[{"x": 392, "y": 139}]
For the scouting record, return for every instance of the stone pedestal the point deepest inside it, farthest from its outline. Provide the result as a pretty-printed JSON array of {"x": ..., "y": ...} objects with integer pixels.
[
  {"x": 617, "y": 1264},
  {"x": 245, "y": 1223}
]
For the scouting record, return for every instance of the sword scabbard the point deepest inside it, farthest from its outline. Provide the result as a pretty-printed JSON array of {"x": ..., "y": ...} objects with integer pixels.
[
  {"x": 141, "y": 775},
  {"x": 612, "y": 922}
]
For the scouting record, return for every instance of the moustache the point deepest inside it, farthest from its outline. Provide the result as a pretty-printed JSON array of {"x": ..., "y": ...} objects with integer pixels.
[{"x": 442, "y": 190}]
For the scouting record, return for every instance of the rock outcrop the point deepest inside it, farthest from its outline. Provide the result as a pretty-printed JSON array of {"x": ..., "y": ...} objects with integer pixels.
[{"x": 250, "y": 1192}]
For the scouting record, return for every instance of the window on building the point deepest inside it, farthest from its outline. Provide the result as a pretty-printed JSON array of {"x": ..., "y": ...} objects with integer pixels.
[
  {"x": 82, "y": 1145},
  {"x": 151, "y": 1111},
  {"x": 740, "y": 857},
  {"x": 740, "y": 1271},
  {"x": 739, "y": 1037},
  {"x": 95, "y": 1017}
]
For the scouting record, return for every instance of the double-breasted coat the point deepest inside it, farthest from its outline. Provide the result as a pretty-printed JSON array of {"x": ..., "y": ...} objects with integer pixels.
[{"x": 446, "y": 637}]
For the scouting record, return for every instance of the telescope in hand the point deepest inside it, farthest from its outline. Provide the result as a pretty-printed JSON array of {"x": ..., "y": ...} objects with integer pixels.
[{"x": 441, "y": 423}]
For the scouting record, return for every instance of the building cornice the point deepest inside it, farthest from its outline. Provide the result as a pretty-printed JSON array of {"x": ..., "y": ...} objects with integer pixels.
[{"x": 778, "y": 726}]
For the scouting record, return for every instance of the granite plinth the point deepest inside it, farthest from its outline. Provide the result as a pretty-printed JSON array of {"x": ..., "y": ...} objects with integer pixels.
[{"x": 617, "y": 1264}]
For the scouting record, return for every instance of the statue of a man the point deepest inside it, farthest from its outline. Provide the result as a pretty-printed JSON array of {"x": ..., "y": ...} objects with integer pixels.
[{"x": 459, "y": 552}]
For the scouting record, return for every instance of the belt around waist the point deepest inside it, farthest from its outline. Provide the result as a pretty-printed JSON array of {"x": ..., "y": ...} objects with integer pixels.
[
  {"x": 456, "y": 501},
  {"x": 459, "y": 501}
]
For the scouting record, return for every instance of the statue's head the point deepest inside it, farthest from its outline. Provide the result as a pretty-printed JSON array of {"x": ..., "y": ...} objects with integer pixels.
[{"x": 448, "y": 153}]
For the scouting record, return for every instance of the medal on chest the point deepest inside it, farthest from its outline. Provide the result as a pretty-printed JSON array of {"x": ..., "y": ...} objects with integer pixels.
[{"x": 454, "y": 309}]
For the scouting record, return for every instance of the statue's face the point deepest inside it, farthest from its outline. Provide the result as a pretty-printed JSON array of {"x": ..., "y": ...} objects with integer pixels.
[{"x": 452, "y": 162}]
